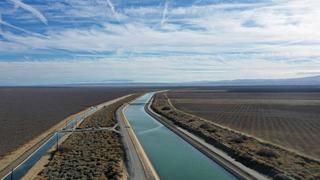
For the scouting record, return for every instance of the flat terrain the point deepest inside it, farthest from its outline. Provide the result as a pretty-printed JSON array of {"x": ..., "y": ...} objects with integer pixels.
[
  {"x": 27, "y": 112},
  {"x": 91, "y": 154},
  {"x": 264, "y": 157},
  {"x": 289, "y": 119}
]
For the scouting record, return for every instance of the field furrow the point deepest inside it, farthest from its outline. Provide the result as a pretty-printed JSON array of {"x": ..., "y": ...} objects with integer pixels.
[{"x": 291, "y": 120}]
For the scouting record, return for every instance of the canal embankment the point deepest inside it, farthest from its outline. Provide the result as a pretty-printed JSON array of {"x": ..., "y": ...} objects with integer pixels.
[
  {"x": 93, "y": 151},
  {"x": 11, "y": 161},
  {"x": 139, "y": 166},
  {"x": 266, "y": 158},
  {"x": 171, "y": 156},
  {"x": 28, "y": 161},
  {"x": 236, "y": 168}
]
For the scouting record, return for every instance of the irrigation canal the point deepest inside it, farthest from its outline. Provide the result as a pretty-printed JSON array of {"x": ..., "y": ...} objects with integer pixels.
[
  {"x": 171, "y": 156},
  {"x": 19, "y": 171}
]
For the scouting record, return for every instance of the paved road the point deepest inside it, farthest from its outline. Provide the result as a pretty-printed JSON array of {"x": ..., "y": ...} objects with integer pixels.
[{"x": 134, "y": 165}]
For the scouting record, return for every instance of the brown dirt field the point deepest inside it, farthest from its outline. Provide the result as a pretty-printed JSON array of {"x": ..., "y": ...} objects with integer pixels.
[
  {"x": 288, "y": 119},
  {"x": 268, "y": 159},
  {"x": 26, "y": 112},
  {"x": 90, "y": 155}
]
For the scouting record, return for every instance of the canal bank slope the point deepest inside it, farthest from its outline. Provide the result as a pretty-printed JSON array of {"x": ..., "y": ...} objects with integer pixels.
[
  {"x": 172, "y": 157},
  {"x": 15, "y": 158},
  {"x": 267, "y": 159},
  {"x": 236, "y": 168},
  {"x": 37, "y": 152},
  {"x": 93, "y": 151},
  {"x": 139, "y": 166}
]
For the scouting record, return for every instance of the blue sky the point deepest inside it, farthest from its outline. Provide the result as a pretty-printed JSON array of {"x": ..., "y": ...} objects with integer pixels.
[{"x": 94, "y": 41}]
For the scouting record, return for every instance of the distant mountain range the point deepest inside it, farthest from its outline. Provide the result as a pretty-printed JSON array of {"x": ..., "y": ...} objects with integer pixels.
[
  {"x": 305, "y": 81},
  {"x": 314, "y": 80}
]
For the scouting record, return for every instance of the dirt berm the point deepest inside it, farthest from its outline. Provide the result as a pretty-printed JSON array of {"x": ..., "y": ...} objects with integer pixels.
[{"x": 268, "y": 159}]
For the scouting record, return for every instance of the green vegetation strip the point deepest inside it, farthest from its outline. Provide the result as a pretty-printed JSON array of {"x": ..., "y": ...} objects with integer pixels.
[
  {"x": 90, "y": 155},
  {"x": 266, "y": 158}
]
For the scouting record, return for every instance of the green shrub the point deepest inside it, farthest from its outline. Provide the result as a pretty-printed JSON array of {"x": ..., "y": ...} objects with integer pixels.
[{"x": 267, "y": 153}]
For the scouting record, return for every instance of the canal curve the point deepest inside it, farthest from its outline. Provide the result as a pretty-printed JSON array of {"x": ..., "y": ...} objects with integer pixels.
[{"x": 171, "y": 156}]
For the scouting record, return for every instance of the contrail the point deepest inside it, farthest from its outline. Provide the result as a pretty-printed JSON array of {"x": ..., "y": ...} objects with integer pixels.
[
  {"x": 31, "y": 9},
  {"x": 1, "y": 32},
  {"x": 111, "y": 7},
  {"x": 115, "y": 14},
  {"x": 17, "y": 28},
  {"x": 197, "y": 2},
  {"x": 164, "y": 14},
  {"x": 279, "y": 45}
]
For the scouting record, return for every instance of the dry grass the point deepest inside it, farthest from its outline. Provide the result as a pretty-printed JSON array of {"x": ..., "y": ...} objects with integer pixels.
[
  {"x": 90, "y": 155},
  {"x": 266, "y": 158},
  {"x": 24, "y": 108}
]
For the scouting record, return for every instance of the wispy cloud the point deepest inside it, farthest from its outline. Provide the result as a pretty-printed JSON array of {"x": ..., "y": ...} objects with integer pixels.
[
  {"x": 178, "y": 69},
  {"x": 34, "y": 11},
  {"x": 164, "y": 13},
  {"x": 263, "y": 33}
]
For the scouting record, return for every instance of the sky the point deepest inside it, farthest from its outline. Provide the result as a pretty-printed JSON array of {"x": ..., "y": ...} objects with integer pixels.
[{"x": 99, "y": 41}]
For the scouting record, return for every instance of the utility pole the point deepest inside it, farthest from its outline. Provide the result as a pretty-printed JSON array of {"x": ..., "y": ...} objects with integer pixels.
[
  {"x": 11, "y": 175},
  {"x": 57, "y": 138}
]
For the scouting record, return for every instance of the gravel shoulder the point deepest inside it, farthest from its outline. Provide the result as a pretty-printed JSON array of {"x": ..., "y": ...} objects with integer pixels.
[
  {"x": 138, "y": 165},
  {"x": 236, "y": 168}
]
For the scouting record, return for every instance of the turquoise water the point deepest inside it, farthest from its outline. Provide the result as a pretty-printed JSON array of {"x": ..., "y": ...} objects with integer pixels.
[
  {"x": 171, "y": 156},
  {"x": 26, "y": 165}
]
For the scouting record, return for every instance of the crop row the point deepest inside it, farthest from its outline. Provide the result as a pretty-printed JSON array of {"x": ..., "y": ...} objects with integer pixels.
[
  {"x": 266, "y": 158},
  {"x": 291, "y": 126}
]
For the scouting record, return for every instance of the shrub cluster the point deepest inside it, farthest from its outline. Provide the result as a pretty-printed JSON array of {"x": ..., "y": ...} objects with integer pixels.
[
  {"x": 266, "y": 158},
  {"x": 90, "y": 155}
]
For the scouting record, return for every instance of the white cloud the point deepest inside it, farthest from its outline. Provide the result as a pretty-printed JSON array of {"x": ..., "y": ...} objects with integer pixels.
[
  {"x": 281, "y": 22},
  {"x": 165, "y": 69},
  {"x": 252, "y": 40}
]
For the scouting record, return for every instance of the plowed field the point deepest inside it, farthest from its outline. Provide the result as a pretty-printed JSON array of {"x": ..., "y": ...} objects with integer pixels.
[
  {"x": 26, "y": 112},
  {"x": 288, "y": 119}
]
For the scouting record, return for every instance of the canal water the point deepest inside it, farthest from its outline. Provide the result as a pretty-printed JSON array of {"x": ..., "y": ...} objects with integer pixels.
[
  {"x": 172, "y": 157},
  {"x": 18, "y": 172}
]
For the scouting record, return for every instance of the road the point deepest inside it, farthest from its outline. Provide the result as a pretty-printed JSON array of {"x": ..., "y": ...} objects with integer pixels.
[
  {"x": 91, "y": 129},
  {"x": 22, "y": 164},
  {"x": 134, "y": 165},
  {"x": 238, "y": 169}
]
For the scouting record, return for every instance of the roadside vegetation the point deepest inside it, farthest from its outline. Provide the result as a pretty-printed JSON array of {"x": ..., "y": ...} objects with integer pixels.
[
  {"x": 288, "y": 119},
  {"x": 266, "y": 158},
  {"x": 24, "y": 108},
  {"x": 90, "y": 155}
]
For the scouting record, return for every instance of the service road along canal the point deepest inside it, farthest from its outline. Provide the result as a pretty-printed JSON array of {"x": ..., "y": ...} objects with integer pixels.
[{"x": 171, "y": 156}]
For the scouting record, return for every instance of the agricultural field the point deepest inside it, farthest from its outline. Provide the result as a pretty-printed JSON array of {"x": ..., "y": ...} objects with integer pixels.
[
  {"x": 288, "y": 119},
  {"x": 26, "y": 112},
  {"x": 90, "y": 155},
  {"x": 266, "y": 158}
]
